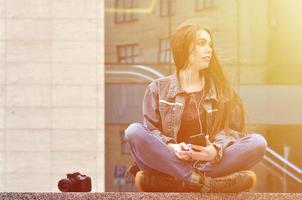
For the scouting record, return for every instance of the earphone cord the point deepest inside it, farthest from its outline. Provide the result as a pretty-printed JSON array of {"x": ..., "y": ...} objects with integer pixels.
[
  {"x": 197, "y": 107},
  {"x": 198, "y": 111}
]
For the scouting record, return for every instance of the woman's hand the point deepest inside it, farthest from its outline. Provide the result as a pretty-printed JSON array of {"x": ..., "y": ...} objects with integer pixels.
[
  {"x": 207, "y": 153},
  {"x": 181, "y": 150}
]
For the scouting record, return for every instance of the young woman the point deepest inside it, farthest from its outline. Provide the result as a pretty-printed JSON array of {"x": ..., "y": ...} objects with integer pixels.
[{"x": 197, "y": 99}]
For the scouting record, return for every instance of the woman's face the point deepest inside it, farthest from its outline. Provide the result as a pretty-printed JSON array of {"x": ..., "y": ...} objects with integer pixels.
[{"x": 202, "y": 51}]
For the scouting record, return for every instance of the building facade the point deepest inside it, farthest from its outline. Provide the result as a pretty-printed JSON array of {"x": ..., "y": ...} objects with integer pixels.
[{"x": 137, "y": 51}]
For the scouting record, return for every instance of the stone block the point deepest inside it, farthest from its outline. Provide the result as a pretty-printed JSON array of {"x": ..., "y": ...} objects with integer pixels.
[
  {"x": 29, "y": 29},
  {"x": 75, "y": 29},
  {"x": 2, "y": 72},
  {"x": 2, "y": 28},
  {"x": 70, "y": 74},
  {"x": 28, "y": 118},
  {"x": 2, "y": 142},
  {"x": 28, "y": 9},
  {"x": 74, "y": 52},
  {"x": 71, "y": 140},
  {"x": 66, "y": 162},
  {"x": 28, "y": 183},
  {"x": 74, "y": 9},
  {"x": 74, "y": 96},
  {"x": 2, "y": 8},
  {"x": 28, "y": 140},
  {"x": 28, "y": 73},
  {"x": 2, "y": 95},
  {"x": 74, "y": 118},
  {"x": 28, "y": 96},
  {"x": 28, "y": 51},
  {"x": 2, "y": 125},
  {"x": 28, "y": 163}
]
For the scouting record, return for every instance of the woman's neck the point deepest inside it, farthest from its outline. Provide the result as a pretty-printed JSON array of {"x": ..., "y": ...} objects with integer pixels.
[{"x": 190, "y": 80}]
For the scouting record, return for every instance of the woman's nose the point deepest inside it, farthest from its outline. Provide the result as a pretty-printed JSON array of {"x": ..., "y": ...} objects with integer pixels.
[{"x": 209, "y": 49}]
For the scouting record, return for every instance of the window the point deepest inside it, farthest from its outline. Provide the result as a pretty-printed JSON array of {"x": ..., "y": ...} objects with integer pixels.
[
  {"x": 164, "y": 51},
  {"x": 122, "y": 15},
  {"x": 128, "y": 53},
  {"x": 124, "y": 146},
  {"x": 203, "y": 4},
  {"x": 167, "y": 7}
]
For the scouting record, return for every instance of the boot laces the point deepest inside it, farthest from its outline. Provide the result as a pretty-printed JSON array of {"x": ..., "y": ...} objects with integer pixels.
[{"x": 221, "y": 184}]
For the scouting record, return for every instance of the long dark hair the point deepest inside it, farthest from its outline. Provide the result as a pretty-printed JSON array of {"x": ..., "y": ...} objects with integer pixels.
[{"x": 228, "y": 101}]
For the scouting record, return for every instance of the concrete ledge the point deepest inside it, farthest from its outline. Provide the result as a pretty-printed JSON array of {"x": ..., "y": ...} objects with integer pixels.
[{"x": 148, "y": 196}]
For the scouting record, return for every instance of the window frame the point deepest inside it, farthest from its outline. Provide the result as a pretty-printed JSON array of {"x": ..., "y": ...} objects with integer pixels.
[
  {"x": 204, "y": 7},
  {"x": 127, "y": 56},
  {"x": 164, "y": 51},
  {"x": 171, "y": 6},
  {"x": 133, "y": 16}
]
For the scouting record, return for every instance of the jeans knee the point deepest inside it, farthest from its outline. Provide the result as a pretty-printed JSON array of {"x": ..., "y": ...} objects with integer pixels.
[
  {"x": 133, "y": 131},
  {"x": 260, "y": 143}
]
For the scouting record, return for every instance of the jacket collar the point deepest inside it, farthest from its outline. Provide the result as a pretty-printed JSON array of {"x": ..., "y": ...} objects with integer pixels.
[{"x": 176, "y": 89}]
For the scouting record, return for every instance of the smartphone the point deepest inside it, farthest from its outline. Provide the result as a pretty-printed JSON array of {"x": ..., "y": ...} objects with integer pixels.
[{"x": 199, "y": 139}]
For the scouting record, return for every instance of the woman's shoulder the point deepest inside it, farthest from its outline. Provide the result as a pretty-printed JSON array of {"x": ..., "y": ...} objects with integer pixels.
[
  {"x": 163, "y": 86},
  {"x": 163, "y": 81}
]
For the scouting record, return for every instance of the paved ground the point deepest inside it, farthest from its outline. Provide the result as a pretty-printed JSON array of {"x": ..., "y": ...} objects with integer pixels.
[{"x": 149, "y": 196}]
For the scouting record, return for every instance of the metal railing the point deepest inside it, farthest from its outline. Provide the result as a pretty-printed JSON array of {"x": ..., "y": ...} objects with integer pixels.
[{"x": 294, "y": 172}]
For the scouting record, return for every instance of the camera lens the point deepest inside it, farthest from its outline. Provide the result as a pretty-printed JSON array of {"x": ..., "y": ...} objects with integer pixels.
[{"x": 64, "y": 185}]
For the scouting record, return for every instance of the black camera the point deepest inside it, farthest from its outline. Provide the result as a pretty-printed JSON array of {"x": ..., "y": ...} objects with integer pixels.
[{"x": 75, "y": 182}]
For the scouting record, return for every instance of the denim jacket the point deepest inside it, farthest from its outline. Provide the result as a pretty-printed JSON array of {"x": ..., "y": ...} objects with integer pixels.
[{"x": 163, "y": 106}]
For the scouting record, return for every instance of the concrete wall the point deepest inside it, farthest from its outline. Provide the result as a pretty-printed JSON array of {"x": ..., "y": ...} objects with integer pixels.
[{"x": 51, "y": 83}]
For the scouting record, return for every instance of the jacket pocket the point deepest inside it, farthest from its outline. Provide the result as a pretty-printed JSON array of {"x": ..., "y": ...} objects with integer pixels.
[{"x": 167, "y": 110}]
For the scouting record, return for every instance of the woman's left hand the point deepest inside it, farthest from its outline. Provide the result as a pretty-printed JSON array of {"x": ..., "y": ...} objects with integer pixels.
[{"x": 207, "y": 153}]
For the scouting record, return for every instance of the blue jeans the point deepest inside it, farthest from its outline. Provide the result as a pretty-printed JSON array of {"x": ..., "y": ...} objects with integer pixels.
[{"x": 151, "y": 153}]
